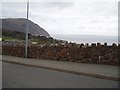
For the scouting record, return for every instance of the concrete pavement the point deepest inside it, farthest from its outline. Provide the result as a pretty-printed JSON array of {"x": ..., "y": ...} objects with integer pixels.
[{"x": 93, "y": 70}]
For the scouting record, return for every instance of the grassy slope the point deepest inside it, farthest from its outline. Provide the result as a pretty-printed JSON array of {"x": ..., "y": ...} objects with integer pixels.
[{"x": 13, "y": 35}]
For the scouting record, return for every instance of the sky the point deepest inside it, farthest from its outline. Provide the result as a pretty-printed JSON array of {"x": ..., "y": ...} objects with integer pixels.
[{"x": 84, "y": 17}]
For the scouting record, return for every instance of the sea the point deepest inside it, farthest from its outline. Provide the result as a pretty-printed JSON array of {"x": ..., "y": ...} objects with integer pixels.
[{"x": 87, "y": 38}]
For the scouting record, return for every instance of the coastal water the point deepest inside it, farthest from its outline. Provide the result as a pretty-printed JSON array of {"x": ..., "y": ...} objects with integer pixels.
[{"x": 87, "y": 38}]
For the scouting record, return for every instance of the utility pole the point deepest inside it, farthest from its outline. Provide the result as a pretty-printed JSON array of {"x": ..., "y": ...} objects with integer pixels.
[{"x": 26, "y": 45}]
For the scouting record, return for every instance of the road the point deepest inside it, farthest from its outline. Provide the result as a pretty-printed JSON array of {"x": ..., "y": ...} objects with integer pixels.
[
  {"x": 20, "y": 76},
  {"x": 96, "y": 70},
  {"x": 0, "y": 74}
]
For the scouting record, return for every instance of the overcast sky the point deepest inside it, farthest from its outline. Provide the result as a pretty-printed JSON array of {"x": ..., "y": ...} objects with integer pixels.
[{"x": 89, "y": 17}]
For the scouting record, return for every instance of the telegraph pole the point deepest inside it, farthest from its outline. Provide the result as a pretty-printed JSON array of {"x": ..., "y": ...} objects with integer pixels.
[{"x": 26, "y": 45}]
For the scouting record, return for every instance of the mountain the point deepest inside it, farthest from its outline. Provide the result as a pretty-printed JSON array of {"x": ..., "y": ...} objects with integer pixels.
[{"x": 19, "y": 24}]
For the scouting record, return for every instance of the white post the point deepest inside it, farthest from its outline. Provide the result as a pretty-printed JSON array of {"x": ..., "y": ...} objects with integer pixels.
[{"x": 26, "y": 46}]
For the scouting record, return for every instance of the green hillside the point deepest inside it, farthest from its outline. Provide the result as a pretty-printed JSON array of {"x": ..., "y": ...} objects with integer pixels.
[{"x": 15, "y": 35}]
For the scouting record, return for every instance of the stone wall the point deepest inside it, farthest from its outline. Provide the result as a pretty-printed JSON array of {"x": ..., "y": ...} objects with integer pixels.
[{"x": 100, "y": 54}]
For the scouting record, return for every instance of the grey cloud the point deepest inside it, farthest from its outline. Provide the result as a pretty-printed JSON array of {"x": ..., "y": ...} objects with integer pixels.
[
  {"x": 14, "y": 5},
  {"x": 94, "y": 16},
  {"x": 13, "y": 9},
  {"x": 59, "y": 4}
]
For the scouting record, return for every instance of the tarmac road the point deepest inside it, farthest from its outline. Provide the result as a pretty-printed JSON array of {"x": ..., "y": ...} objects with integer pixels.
[{"x": 20, "y": 76}]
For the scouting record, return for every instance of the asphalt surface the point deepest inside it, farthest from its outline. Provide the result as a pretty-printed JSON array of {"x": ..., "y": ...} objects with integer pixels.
[
  {"x": 0, "y": 74},
  {"x": 20, "y": 76},
  {"x": 94, "y": 70}
]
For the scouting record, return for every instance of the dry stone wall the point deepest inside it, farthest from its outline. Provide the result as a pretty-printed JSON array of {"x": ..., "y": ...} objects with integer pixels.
[{"x": 99, "y": 54}]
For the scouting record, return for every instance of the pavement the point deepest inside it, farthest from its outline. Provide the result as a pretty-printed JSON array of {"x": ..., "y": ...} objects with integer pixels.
[
  {"x": 21, "y": 76},
  {"x": 108, "y": 72}
]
